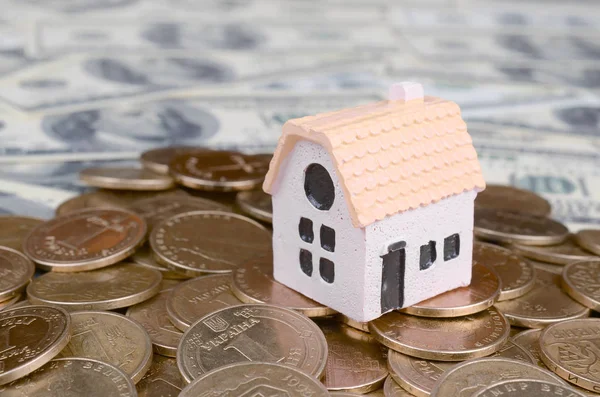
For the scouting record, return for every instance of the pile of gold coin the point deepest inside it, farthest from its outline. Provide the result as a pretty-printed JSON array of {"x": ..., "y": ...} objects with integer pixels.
[{"x": 159, "y": 283}]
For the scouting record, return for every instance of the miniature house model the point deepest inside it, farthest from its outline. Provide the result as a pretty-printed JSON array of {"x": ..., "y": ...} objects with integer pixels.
[{"x": 373, "y": 205}]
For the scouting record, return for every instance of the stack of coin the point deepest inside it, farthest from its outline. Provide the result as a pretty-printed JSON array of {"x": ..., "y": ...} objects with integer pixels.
[{"x": 163, "y": 290}]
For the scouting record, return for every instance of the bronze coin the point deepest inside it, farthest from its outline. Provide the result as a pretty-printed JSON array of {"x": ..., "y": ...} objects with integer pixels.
[
  {"x": 31, "y": 336},
  {"x": 479, "y": 295},
  {"x": 581, "y": 280},
  {"x": 253, "y": 282},
  {"x": 343, "y": 371},
  {"x": 162, "y": 379},
  {"x": 545, "y": 304},
  {"x": 570, "y": 349},
  {"x": 549, "y": 267},
  {"x": 219, "y": 170},
  {"x": 391, "y": 389},
  {"x": 416, "y": 375},
  {"x": 157, "y": 209},
  {"x": 589, "y": 239},
  {"x": 196, "y": 298},
  {"x": 256, "y": 204},
  {"x": 527, "y": 388},
  {"x": 561, "y": 254},
  {"x": 259, "y": 333},
  {"x": 120, "y": 199},
  {"x": 125, "y": 178},
  {"x": 530, "y": 341},
  {"x": 209, "y": 241},
  {"x": 14, "y": 229},
  {"x": 515, "y": 352},
  {"x": 517, "y": 276},
  {"x": 13, "y": 302},
  {"x": 145, "y": 257},
  {"x": 516, "y": 227},
  {"x": 85, "y": 240},
  {"x": 112, "y": 287},
  {"x": 510, "y": 198},
  {"x": 16, "y": 270},
  {"x": 364, "y": 327},
  {"x": 158, "y": 160},
  {"x": 453, "y": 339}
]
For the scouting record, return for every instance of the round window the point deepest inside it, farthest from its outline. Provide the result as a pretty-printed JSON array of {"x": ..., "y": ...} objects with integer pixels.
[{"x": 318, "y": 187}]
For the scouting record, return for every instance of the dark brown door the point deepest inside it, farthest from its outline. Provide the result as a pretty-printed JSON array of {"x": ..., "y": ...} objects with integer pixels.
[{"x": 392, "y": 278}]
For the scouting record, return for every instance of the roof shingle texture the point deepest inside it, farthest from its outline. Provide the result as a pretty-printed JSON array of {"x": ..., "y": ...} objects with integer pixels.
[{"x": 391, "y": 156}]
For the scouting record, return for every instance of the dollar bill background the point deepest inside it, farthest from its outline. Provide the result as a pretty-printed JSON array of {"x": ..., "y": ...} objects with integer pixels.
[{"x": 94, "y": 82}]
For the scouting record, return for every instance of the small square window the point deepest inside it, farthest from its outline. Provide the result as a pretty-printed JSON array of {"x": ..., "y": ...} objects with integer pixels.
[
  {"x": 326, "y": 268},
  {"x": 428, "y": 255},
  {"x": 327, "y": 238},
  {"x": 305, "y": 228},
  {"x": 306, "y": 262},
  {"x": 451, "y": 247}
]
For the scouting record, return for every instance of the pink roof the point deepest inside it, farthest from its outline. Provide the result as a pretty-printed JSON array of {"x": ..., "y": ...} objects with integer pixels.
[{"x": 391, "y": 156}]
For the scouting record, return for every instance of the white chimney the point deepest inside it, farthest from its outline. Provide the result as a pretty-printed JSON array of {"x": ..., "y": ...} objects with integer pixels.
[{"x": 405, "y": 91}]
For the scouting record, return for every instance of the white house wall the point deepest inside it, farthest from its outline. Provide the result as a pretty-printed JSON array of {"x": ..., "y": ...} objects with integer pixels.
[
  {"x": 417, "y": 227},
  {"x": 345, "y": 294}
]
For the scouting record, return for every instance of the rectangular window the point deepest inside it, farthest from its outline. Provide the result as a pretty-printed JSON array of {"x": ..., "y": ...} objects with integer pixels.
[
  {"x": 305, "y": 228},
  {"x": 327, "y": 238},
  {"x": 451, "y": 247},
  {"x": 306, "y": 262},
  {"x": 428, "y": 255},
  {"x": 326, "y": 268}
]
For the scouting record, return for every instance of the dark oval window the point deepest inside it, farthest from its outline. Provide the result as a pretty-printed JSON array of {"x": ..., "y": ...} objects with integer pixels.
[{"x": 318, "y": 187}]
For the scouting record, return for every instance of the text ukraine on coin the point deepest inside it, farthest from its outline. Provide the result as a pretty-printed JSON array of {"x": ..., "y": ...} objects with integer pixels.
[
  {"x": 258, "y": 333},
  {"x": 31, "y": 336},
  {"x": 113, "y": 287},
  {"x": 85, "y": 240}
]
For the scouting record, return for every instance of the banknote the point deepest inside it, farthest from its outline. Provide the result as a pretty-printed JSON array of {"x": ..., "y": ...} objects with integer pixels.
[
  {"x": 250, "y": 124},
  {"x": 81, "y": 79},
  {"x": 455, "y": 45},
  {"x": 18, "y": 198},
  {"x": 56, "y": 37},
  {"x": 502, "y": 16}
]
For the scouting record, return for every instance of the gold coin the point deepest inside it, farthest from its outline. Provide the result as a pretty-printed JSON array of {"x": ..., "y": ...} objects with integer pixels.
[
  {"x": 515, "y": 352},
  {"x": 16, "y": 270},
  {"x": 561, "y": 254},
  {"x": 352, "y": 364},
  {"x": 109, "y": 288},
  {"x": 162, "y": 379},
  {"x": 209, "y": 241},
  {"x": 31, "y": 336},
  {"x": 453, "y": 339},
  {"x": 416, "y": 375},
  {"x": 545, "y": 304},
  {"x": 510, "y": 198},
  {"x": 392, "y": 389},
  {"x": 529, "y": 340},
  {"x": 527, "y": 388},
  {"x": 253, "y": 282},
  {"x": 72, "y": 377},
  {"x": 14, "y": 229},
  {"x": 518, "y": 227},
  {"x": 158, "y": 160},
  {"x": 196, "y": 298},
  {"x": 517, "y": 276},
  {"x": 217, "y": 170},
  {"x": 364, "y": 327},
  {"x": 549, "y": 267},
  {"x": 85, "y": 240},
  {"x": 125, "y": 178},
  {"x": 10, "y": 303},
  {"x": 580, "y": 280},
  {"x": 111, "y": 338},
  {"x": 570, "y": 350},
  {"x": 258, "y": 333},
  {"x": 119, "y": 199},
  {"x": 589, "y": 239},
  {"x": 465, "y": 379},
  {"x": 256, "y": 204},
  {"x": 479, "y": 295},
  {"x": 143, "y": 256},
  {"x": 152, "y": 315},
  {"x": 157, "y": 209},
  {"x": 251, "y": 379}
]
